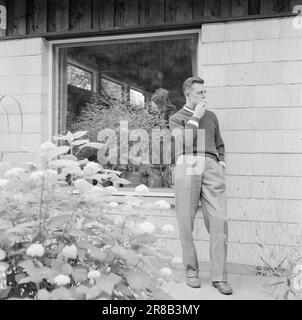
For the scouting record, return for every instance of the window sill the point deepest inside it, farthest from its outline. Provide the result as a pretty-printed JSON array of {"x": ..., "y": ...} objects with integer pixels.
[{"x": 154, "y": 192}]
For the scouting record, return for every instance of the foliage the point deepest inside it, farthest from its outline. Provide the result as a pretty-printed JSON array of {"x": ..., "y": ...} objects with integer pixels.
[
  {"x": 281, "y": 268},
  {"x": 284, "y": 280},
  {"x": 60, "y": 241},
  {"x": 100, "y": 114}
]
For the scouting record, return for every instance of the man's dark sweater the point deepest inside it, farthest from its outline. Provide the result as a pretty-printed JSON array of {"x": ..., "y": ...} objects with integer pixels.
[{"x": 214, "y": 146}]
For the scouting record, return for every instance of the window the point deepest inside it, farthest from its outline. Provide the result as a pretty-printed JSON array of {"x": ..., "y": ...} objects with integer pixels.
[
  {"x": 101, "y": 83},
  {"x": 112, "y": 89},
  {"x": 79, "y": 77},
  {"x": 137, "y": 98}
]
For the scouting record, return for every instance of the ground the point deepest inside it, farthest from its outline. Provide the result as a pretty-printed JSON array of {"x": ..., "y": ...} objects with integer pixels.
[{"x": 246, "y": 287}]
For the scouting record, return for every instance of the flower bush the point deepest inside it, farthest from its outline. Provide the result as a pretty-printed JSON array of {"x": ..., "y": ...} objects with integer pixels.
[
  {"x": 60, "y": 240},
  {"x": 101, "y": 114}
]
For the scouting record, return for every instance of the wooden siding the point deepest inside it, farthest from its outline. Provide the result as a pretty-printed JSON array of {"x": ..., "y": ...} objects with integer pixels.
[{"x": 69, "y": 17}]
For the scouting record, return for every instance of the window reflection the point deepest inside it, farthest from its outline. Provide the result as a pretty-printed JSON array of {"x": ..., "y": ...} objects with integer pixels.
[
  {"x": 79, "y": 77},
  {"x": 111, "y": 82}
]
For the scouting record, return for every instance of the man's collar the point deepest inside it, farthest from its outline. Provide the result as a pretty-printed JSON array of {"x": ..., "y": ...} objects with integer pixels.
[{"x": 188, "y": 109}]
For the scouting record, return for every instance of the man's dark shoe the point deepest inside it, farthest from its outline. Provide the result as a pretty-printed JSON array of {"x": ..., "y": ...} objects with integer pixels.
[
  {"x": 193, "y": 282},
  {"x": 223, "y": 287}
]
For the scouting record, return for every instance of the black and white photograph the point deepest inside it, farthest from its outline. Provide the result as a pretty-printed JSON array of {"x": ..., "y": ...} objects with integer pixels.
[{"x": 150, "y": 150}]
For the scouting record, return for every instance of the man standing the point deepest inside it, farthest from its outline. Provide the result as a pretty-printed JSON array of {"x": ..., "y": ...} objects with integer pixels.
[{"x": 199, "y": 175}]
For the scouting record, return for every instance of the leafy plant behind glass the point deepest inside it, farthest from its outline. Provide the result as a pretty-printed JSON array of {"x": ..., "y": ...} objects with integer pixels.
[{"x": 101, "y": 113}]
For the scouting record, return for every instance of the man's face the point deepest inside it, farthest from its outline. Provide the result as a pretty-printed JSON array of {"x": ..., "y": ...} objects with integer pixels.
[{"x": 197, "y": 94}]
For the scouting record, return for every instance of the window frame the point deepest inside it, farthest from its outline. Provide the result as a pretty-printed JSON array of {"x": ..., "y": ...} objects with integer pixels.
[
  {"x": 53, "y": 68},
  {"x": 139, "y": 91},
  {"x": 113, "y": 81},
  {"x": 53, "y": 62}
]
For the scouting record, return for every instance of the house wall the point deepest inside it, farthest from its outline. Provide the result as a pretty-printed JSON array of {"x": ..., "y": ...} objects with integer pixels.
[{"x": 23, "y": 76}]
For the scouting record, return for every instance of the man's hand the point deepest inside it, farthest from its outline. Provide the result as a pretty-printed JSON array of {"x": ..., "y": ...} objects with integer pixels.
[
  {"x": 222, "y": 163},
  {"x": 200, "y": 109}
]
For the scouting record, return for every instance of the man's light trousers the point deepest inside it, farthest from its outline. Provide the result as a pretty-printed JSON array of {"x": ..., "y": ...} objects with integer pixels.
[{"x": 201, "y": 178}]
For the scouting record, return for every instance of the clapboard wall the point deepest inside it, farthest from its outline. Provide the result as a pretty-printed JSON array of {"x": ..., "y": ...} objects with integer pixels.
[{"x": 69, "y": 17}]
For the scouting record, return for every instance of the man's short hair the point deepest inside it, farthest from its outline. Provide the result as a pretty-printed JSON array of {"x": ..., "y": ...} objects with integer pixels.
[
  {"x": 160, "y": 96},
  {"x": 188, "y": 84}
]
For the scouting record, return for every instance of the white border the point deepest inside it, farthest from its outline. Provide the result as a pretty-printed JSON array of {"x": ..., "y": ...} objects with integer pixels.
[{"x": 52, "y": 95}]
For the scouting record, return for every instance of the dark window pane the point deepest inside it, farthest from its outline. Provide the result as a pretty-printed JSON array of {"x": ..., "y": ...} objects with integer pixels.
[{"x": 126, "y": 75}]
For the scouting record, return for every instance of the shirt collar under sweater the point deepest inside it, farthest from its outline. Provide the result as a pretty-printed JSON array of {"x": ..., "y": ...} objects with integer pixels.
[{"x": 188, "y": 109}]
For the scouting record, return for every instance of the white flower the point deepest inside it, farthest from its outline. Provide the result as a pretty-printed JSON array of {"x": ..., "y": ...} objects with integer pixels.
[
  {"x": 166, "y": 272},
  {"x": 141, "y": 189},
  {"x": 82, "y": 185},
  {"x": 149, "y": 206},
  {"x": 112, "y": 204},
  {"x": 134, "y": 203},
  {"x": 5, "y": 224},
  {"x": 14, "y": 174},
  {"x": 120, "y": 220},
  {"x": 2, "y": 254},
  {"x": 48, "y": 146},
  {"x": 111, "y": 189},
  {"x": 3, "y": 183},
  {"x": 3, "y": 267},
  {"x": 35, "y": 250},
  {"x": 36, "y": 176},
  {"x": 162, "y": 205},
  {"x": 70, "y": 252},
  {"x": 127, "y": 208},
  {"x": 91, "y": 168},
  {"x": 93, "y": 274},
  {"x": 50, "y": 176},
  {"x": 51, "y": 173},
  {"x": 177, "y": 260},
  {"x": 61, "y": 280},
  {"x": 147, "y": 227},
  {"x": 99, "y": 189},
  {"x": 75, "y": 170},
  {"x": 48, "y": 149},
  {"x": 297, "y": 282},
  {"x": 168, "y": 228},
  {"x": 18, "y": 197},
  {"x": 120, "y": 251},
  {"x": 95, "y": 194},
  {"x": 297, "y": 269},
  {"x": 43, "y": 294},
  {"x": 30, "y": 167}
]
